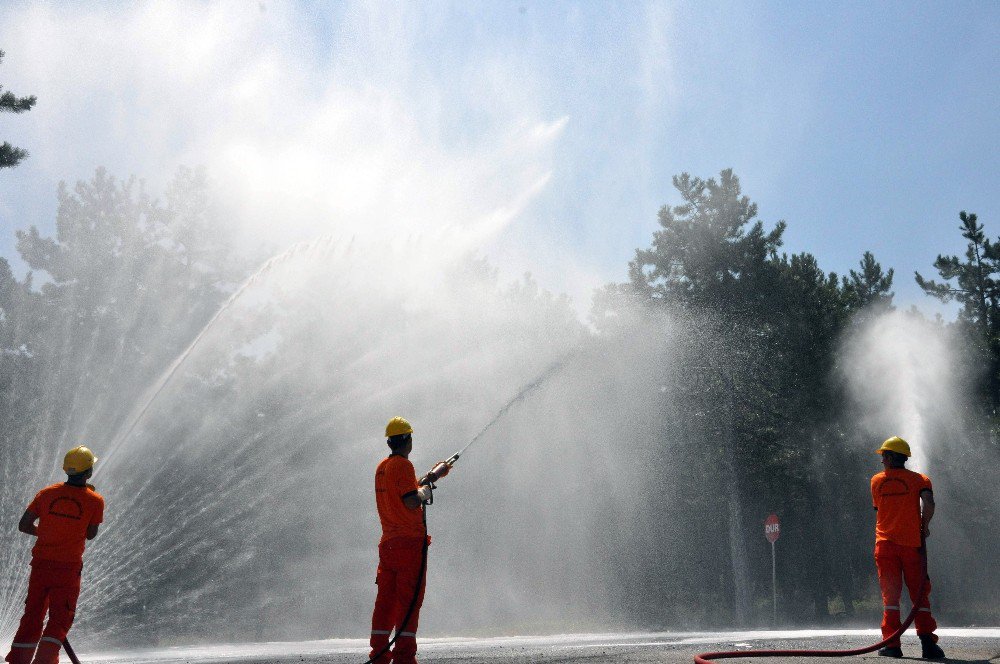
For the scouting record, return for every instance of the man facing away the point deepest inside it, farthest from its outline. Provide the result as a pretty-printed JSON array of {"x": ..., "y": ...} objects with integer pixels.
[
  {"x": 900, "y": 529},
  {"x": 401, "y": 567},
  {"x": 68, "y": 515}
]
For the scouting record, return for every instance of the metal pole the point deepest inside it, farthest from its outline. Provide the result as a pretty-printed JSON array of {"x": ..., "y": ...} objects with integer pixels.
[{"x": 774, "y": 584}]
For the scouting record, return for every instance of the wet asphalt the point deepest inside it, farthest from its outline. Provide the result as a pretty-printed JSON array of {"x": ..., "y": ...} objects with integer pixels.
[{"x": 981, "y": 648}]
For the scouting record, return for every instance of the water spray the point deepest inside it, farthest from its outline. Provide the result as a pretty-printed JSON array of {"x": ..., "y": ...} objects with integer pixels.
[
  {"x": 706, "y": 657},
  {"x": 442, "y": 468},
  {"x": 322, "y": 244}
]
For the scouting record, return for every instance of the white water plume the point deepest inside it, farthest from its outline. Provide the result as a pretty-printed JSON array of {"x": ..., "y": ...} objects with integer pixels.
[
  {"x": 905, "y": 378},
  {"x": 905, "y": 381}
]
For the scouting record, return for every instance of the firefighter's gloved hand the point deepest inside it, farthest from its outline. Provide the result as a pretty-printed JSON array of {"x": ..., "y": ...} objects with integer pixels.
[{"x": 425, "y": 494}]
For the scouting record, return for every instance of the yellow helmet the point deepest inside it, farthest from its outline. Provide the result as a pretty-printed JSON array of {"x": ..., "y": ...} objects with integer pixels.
[
  {"x": 895, "y": 444},
  {"x": 397, "y": 426},
  {"x": 79, "y": 460}
]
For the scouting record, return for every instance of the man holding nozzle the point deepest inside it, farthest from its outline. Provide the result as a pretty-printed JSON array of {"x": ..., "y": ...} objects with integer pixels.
[
  {"x": 401, "y": 575},
  {"x": 901, "y": 527},
  {"x": 68, "y": 514}
]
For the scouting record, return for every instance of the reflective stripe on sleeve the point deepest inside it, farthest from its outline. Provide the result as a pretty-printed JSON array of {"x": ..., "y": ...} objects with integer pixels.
[
  {"x": 51, "y": 640},
  {"x": 410, "y": 634},
  {"x": 926, "y": 608},
  {"x": 381, "y": 631},
  {"x": 892, "y": 608},
  {"x": 24, "y": 645}
]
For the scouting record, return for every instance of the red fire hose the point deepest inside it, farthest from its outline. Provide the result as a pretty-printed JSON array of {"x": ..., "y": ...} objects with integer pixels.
[
  {"x": 705, "y": 657},
  {"x": 70, "y": 652}
]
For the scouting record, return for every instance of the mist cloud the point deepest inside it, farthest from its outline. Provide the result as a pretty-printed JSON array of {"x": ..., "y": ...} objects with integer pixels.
[{"x": 301, "y": 136}]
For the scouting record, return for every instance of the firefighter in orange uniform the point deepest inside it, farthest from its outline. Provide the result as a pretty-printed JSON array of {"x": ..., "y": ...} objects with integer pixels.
[
  {"x": 399, "y": 499},
  {"x": 68, "y": 515},
  {"x": 900, "y": 528}
]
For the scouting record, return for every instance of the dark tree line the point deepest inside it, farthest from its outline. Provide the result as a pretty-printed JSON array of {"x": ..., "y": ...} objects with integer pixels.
[
  {"x": 756, "y": 335},
  {"x": 737, "y": 342}
]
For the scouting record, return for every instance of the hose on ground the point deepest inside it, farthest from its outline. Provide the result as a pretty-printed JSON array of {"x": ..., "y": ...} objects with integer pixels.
[
  {"x": 70, "y": 652},
  {"x": 706, "y": 657}
]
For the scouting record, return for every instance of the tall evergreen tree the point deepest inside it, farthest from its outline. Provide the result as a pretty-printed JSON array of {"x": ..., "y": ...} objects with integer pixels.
[
  {"x": 11, "y": 156},
  {"x": 712, "y": 268},
  {"x": 756, "y": 334},
  {"x": 975, "y": 284},
  {"x": 704, "y": 253}
]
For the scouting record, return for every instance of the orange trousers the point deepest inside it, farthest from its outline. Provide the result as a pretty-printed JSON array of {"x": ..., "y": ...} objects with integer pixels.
[
  {"x": 53, "y": 588},
  {"x": 896, "y": 563},
  {"x": 399, "y": 561}
]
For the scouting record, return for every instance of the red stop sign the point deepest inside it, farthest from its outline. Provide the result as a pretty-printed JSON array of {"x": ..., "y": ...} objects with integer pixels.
[{"x": 772, "y": 528}]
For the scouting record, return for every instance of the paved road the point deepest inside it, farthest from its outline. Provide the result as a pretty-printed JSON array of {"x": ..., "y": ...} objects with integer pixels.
[{"x": 974, "y": 646}]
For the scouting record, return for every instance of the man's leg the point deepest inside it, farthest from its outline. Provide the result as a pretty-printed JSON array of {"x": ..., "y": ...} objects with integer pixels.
[
  {"x": 63, "y": 596},
  {"x": 915, "y": 574},
  {"x": 409, "y": 575},
  {"x": 383, "y": 614},
  {"x": 30, "y": 630},
  {"x": 890, "y": 580}
]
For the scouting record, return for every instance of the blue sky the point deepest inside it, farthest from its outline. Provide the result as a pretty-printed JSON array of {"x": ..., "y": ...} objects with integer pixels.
[{"x": 541, "y": 134}]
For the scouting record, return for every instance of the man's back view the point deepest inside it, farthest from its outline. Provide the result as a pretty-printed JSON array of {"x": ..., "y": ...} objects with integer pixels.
[
  {"x": 68, "y": 515},
  {"x": 900, "y": 529}
]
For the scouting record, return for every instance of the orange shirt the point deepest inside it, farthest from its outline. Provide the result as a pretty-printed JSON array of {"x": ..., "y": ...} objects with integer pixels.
[
  {"x": 64, "y": 512},
  {"x": 896, "y": 496},
  {"x": 395, "y": 478}
]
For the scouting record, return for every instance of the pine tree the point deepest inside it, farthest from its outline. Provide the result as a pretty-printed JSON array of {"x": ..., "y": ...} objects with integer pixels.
[
  {"x": 977, "y": 287},
  {"x": 753, "y": 339},
  {"x": 870, "y": 286},
  {"x": 709, "y": 251},
  {"x": 10, "y": 155}
]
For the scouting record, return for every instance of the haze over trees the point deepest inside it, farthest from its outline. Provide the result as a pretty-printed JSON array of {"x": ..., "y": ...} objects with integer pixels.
[
  {"x": 10, "y": 155},
  {"x": 737, "y": 406},
  {"x": 761, "y": 332}
]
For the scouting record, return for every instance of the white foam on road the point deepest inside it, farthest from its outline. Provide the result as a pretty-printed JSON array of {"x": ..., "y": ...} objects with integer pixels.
[{"x": 284, "y": 649}]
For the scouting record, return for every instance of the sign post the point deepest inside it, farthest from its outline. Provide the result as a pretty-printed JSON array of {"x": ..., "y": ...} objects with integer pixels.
[{"x": 772, "y": 530}]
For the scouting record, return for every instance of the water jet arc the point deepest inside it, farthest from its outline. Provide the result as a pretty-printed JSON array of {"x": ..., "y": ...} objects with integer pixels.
[
  {"x": 451, "y": 462},
  {"x": 154, "y": 391},
  {"x": 527, "y": 389}
]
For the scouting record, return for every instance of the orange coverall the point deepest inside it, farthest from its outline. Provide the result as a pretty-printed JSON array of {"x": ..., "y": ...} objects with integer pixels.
[
  {"x": 898, "y": 538},
  {"x": 400, "y": 553},
  {"x": 64, "y": 513}
]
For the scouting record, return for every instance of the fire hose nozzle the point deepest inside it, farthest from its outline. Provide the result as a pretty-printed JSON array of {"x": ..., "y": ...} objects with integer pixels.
[{"x": 440, "y": 469}]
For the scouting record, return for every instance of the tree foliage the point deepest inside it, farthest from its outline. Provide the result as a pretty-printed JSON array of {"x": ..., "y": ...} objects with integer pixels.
[
  {"x": 869, "y": 287},
  {"x": 10, "y": 155},
  {"x": 756, "y": 333},
  {"x": 705, "y": 254},
  {"x": 975, "y": 284}
]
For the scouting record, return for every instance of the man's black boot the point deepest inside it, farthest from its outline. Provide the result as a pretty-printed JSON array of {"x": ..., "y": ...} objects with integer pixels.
[
  {"x": 891, "y": 652},
  {"x": 930, "y": 648}
]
